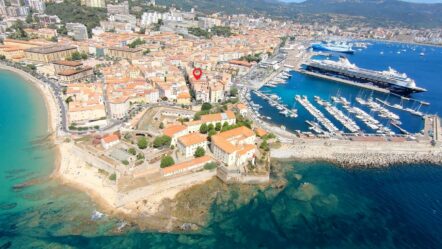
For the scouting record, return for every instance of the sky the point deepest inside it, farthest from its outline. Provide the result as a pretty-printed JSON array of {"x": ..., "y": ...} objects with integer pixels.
[{"x": 414, "y": 1}]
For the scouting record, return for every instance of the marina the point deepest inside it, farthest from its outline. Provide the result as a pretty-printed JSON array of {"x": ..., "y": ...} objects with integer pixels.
[
  {"x": 273, "y": 100},
  {"x": 347, "y": 122},
  {"x": 318, "y": 115},
  {"x": 400, "y": 107}
]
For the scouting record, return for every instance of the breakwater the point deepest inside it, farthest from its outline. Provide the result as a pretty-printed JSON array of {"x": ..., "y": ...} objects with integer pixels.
[{"x": 352, "y": 154}]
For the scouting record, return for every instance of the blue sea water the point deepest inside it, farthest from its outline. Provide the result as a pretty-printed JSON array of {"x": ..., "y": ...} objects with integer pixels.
[
  {"x": 320, "y": 206},
  {"x": 425, "y": 70}
]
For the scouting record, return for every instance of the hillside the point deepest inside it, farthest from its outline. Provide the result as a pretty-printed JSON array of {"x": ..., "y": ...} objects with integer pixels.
[{"x": 374, "y": 12}]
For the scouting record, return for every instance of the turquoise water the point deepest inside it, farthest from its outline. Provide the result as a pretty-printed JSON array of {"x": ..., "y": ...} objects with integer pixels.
[
  {"x": 321, "y": 205},
  {"x": 425, "y": 70}
]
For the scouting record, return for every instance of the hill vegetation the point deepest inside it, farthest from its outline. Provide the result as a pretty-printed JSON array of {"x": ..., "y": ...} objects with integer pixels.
[
  {"x": 372, "y": 12},
  {"x": 73, "y": 11}
]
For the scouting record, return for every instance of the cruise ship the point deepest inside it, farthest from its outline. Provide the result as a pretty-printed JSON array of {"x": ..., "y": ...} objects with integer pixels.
[
  {"x": 340, "y": 47},
  {"x": 391, "y": 80}
]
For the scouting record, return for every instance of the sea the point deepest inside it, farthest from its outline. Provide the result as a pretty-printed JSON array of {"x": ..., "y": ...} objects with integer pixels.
[{"x": 319, "y": 204}]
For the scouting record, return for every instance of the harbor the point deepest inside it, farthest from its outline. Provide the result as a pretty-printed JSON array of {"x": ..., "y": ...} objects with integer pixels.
[{"x": 352, "y": 109}]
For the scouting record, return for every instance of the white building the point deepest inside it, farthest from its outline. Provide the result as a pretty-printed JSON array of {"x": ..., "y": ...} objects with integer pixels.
[
  {"x": 94, "y": 3},
  {"x": 188, "y": 144},
  {"x": 110, "y": 140},
  {"x": 149, "y": 18},
  {"x": 37, "y": 5},
  {"x": 234, "y": 148},
  {"x": 77, "y": 30},
  {"x": 119, "y": 107}
]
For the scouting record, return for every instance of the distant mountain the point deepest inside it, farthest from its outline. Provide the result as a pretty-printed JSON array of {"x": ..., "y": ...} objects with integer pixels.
[{"x": 375, "y": 12}]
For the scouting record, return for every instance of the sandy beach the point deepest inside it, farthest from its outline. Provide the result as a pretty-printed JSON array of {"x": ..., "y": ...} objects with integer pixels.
[{"x": 71, "y": 170}]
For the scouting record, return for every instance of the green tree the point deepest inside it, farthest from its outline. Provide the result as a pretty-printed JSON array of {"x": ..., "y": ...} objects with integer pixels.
[
  {"x": 218, "y": 126},
  {"x": 29, "y": 18},
  {"x": 264, "y": 145},
  {"x": 210, "y": 166},
  {"x": 233, "y": 91},
  {"x": 140, "y": 156},
  {"x": 132, "y": 151},
  {"x": 142, "y": 143},
  {"x": 166, "y": 161},
  {"x": 113, "y": 177},
  {"x": 73, "y": 11},
  {"x": 161, "y": 141},
  {"x": 211, "y": 127},
  {"x": 54, "y": 39},
  {"x": 19, "y": 32},
  {"x": 32, "y": 67},
  {"x": 161, "y": 125},
  {"x": 125, "y": 162},
  {"x": 204, "y": 128},
  {"x": 69, "y": 100},
  {"x": 199, "y": 152},
  {"x": 211, "y": 133},
  {"x": 2, "y": 57},
  {"x": 137, "y": 42},
  {"x": 206, "y": 107}
]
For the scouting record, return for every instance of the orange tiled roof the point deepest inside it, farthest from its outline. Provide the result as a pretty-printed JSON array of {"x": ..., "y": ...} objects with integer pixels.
[
  {"x": 217, "y": 117},
  {"x": 191, "y": 139},
  {"x": 173, "y": 129},
  {"x": 187, "y": 164},
  {"x": 110, "y": 138}
]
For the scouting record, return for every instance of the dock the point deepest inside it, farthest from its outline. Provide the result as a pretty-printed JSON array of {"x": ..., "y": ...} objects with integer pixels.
[
  {"x": 346, "y": 121},
  {"x": 317, "y": 114},
  {"x": 344, "y": 81},
  {"x": 283, "y": 110},
  {"x": 432, "y": 128}
]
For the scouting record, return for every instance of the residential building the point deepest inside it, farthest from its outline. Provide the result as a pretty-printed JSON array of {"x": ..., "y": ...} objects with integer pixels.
[
  {"x": 36, "y": 5},
  {"x": 188, "y": 144},
  {"x": 183, "y": 98},
  {"x": 75, "y": 75},
  {"x": 234, "y": 148},
  {"x": 94, "y": 3},
  {"x": 77, "y": 30},
  {"x": 174, "y": 132},
  {"x": 124, "y": 53},
  {"x": 50, "y": 53},
  {"x": 110, "y": 140},
  {"x": 119, "y": 107},
  {"x": 122, "y": 8}
]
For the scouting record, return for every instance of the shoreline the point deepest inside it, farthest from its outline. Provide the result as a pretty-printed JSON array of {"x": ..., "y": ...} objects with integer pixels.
[
  {"x": 51, "y": 109},
  {"x": 144, "y": 206}
]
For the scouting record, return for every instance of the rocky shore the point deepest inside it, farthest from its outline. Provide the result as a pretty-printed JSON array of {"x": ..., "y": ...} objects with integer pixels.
[{"x": 379, "y": 160}]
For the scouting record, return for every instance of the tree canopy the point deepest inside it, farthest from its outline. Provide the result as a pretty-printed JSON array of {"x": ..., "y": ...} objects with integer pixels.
[
  {"x": 166, "y": 161},
  {"x": 142, "y": 143},
  {"x": 161, "y": 141},
  {"x": 199, "y": 152}
]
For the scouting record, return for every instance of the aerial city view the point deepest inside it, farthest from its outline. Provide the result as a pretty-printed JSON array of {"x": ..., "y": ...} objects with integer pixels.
[{"x": 220, "y": 124}]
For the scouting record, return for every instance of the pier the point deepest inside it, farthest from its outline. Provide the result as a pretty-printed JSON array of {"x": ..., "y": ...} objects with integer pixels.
[
  {"x": 283, "y": 110},
  {"x": 400, "y": 107},
  {"x": 347, "y": 122},
  {"x": 317, "y": 114}
]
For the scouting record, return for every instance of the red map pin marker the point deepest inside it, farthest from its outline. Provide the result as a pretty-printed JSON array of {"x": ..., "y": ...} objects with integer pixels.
[{"x": 197, "y": 73}]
